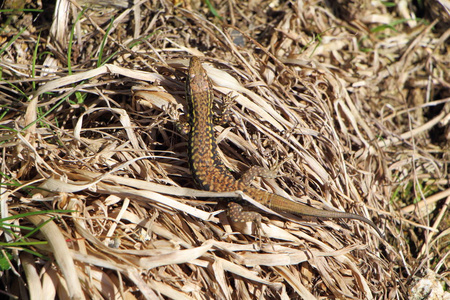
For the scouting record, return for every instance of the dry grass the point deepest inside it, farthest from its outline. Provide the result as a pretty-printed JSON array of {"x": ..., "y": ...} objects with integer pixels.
[{"x": 353, "y": 99}]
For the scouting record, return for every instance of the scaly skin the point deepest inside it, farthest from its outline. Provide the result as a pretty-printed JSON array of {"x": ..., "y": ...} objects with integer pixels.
[{"x": 210, "y": 172}]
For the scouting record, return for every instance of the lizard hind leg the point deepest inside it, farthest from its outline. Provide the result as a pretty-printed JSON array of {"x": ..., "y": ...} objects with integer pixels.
[
  {"x": 237, "y": 215},
  {"x": 257, "y": 171}
]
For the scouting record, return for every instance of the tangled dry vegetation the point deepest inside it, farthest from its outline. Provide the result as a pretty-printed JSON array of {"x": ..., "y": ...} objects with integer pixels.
[{"x": 350, "y": 101}]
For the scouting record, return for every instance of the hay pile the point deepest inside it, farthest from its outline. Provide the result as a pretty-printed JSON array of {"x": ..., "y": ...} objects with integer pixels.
[{"x": 349, "y": 102}]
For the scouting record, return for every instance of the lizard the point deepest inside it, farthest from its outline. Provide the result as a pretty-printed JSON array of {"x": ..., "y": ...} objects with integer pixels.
[{"x": 211, "y": 174}]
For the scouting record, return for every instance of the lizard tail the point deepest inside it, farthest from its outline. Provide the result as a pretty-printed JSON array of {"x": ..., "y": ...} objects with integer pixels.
[{"x": 279, "y": 204}]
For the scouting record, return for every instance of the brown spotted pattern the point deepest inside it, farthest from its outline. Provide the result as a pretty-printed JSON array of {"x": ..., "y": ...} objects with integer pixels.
[{"x": 210, "y": 172}]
